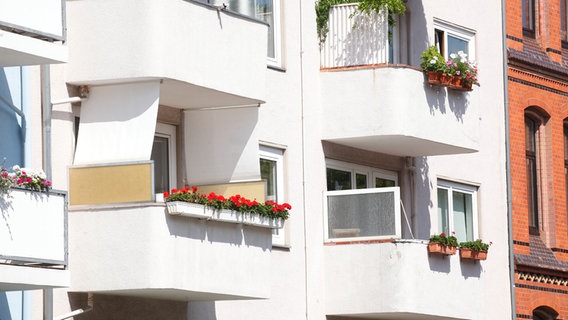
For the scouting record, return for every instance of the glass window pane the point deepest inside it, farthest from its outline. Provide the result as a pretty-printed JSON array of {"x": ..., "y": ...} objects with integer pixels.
[
  {"x": 361, "y": 215},
  {"x": 443, "y": 205},
  {"x": 338, "y": 179},
  {"x": 382, "y": 183},
  {"x": 462, "y": 215},
  {"x": 268, "y": 173},
  {"x": 360, "y": 181},
  {"x": 265, "y": 12},
  {"x": 160, "y": 156},
  {"x": 456, "y": 45}
]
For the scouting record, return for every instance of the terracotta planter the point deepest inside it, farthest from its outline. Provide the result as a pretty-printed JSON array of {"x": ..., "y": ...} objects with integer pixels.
[
  {"x": 434, "y": 247},
  {"x": 467, "y": 86},
  {"x": 455, "y": 82},
  {"x": 472, "y": 255},
  {"x": 434, "y": 77},
  {"x": 445, "y": 79}
]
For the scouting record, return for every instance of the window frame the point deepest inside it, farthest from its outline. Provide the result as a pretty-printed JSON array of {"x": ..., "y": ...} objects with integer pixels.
[
  {"x": 533, "y": 182},
  {"x": 371, "y": 172},
  {"x": 530, "y": 30},
  {"x": 451, "y": 187},
  {"x": 459, "y": 32},
  {"x": 169, "y": 132},
  {"x": 277, "y": 155}
]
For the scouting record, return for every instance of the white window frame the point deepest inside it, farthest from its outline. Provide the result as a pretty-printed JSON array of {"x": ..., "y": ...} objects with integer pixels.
[
  {"x": 277, "y": 60},
  {"x": 169, "y": 131},
  {"x": 276, "y": 155},
  {"x": 450, "y": 187},
  {"x": 462, "y": 33},
  {"x": 355, "y": 169}
]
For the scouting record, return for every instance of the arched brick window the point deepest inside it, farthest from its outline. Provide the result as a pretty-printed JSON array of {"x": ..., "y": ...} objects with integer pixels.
[{"x": 544, "y": 313}]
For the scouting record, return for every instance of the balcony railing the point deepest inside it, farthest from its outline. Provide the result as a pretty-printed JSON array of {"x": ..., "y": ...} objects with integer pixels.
[
  {"x": 362, "y": 214},
  {"x": 354, "y": 38}
]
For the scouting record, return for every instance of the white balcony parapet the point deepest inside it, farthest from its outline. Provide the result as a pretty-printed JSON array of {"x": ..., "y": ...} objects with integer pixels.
[
  {"x": 32, "y": 36},
  {"x": 362, "y": 214},
  {"x": 34, "y": 228},
  {"x": 158, "y": 255},
  {"x": 354, "y": 38},
  {"x": 33, "y": 240}
]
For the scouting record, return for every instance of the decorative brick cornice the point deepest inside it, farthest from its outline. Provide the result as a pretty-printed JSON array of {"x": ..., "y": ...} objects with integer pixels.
[{"x": 542, "y": 278}]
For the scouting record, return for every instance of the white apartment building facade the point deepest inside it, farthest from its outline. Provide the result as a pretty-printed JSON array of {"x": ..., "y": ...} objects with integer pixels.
[{"x": 239, "y": 97}]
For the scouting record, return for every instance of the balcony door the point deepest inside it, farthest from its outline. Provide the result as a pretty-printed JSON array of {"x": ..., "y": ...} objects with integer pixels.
[{"x": 164, "y": 157}]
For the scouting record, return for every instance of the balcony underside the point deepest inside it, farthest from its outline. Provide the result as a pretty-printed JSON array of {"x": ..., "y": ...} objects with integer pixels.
[
  {"x": 392, "y": 110},
  {"x": 400, "y": 145},
  {"x": 19, "y": 277},
  {"x": 20, "y": 50},
  {"x": 140, "y": 250}
]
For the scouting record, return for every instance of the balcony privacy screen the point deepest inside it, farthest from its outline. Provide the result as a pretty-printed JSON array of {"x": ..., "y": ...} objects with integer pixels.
[
  {"x": 354, "y": 38},
  {"x": 363, "y": 213}
]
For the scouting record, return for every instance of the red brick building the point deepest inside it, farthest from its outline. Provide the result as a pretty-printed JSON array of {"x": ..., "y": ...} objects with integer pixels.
[{"x": 537, "y": 51}]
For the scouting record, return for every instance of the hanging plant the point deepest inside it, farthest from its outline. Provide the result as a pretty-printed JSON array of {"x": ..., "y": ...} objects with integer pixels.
[{"x": 395, "y": 7}]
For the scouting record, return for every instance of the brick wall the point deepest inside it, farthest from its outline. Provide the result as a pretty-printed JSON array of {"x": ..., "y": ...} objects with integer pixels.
[{"x": 538, "y": 79}]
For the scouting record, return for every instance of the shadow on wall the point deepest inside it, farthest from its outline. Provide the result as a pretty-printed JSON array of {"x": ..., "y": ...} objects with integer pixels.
[
  {"x": 203, "y": 310},
  {"x": 424, "y": 203},
  {"x": 12, "y": 129},
  {"x": 4, "y": 307},
  {"x": 112, "y": 307}
]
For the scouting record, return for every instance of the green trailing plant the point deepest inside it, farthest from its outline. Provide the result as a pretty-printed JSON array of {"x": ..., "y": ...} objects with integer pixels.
[
  {"x": 476, "y": 245},
  {"x": 395, "y": 7},
  {"x": 444, "y": 239}
]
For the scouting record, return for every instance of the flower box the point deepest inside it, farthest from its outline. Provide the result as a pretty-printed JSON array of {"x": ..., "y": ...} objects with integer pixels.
[
  {"x": 434, "y": 247},
  {"x": 260, "y": 221},
  {"x": 187, "y": 209},
  {"x": 226, "y": 215},
  {"x": 466, "y": 253}
]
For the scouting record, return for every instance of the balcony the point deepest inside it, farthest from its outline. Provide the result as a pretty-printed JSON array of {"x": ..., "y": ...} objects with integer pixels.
[
  {"x": 387, "y": 108},
  {"x": 124, "y": 243},
  {"x": 399, "y": 280},
  {"x": 32, "y": 37},
  {"x": 201, "y": 56},
  {"x": 140, "y": 250},
  {"x": 33, "y": 240}
]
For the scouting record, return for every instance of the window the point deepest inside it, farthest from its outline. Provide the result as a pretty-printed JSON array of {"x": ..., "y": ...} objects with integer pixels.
[
  {"x": 544, "y": 313},
  {"x": 529, "y": 18},
  {"x": 564, "y": 22},
  {"x": 264, "y": 10},
  {"x": 272, "y": 171},
  {"x": 361, "y": 202},
  {"x": 451, "y": 39},
  {"x": 343, "y": 176},
  {"x": 164, "y": 157},
  {"x": 531, "y": 142},
  {"x": 457, "y": 210},
  {"x": 566, "y": 158}
]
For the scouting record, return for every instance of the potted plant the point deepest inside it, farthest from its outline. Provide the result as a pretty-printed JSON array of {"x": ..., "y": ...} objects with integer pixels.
[
  {"x": 475, "y": 250},
  {"x": 443, "y": 244},
  {"x": 23, "y": 178},
  {"x": 394, "y": 7},
  {"x": 433, "y": 63},
  {"x": 456, "y": 73}
]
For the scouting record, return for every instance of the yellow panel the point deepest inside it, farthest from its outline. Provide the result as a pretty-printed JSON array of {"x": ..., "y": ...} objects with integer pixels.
[
  {"x": 117, "y": 183},
  {"x": 250, "y": 190}
]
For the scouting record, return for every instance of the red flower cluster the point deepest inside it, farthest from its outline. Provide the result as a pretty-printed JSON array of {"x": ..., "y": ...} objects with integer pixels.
[{"x": 237, "y": 202}]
